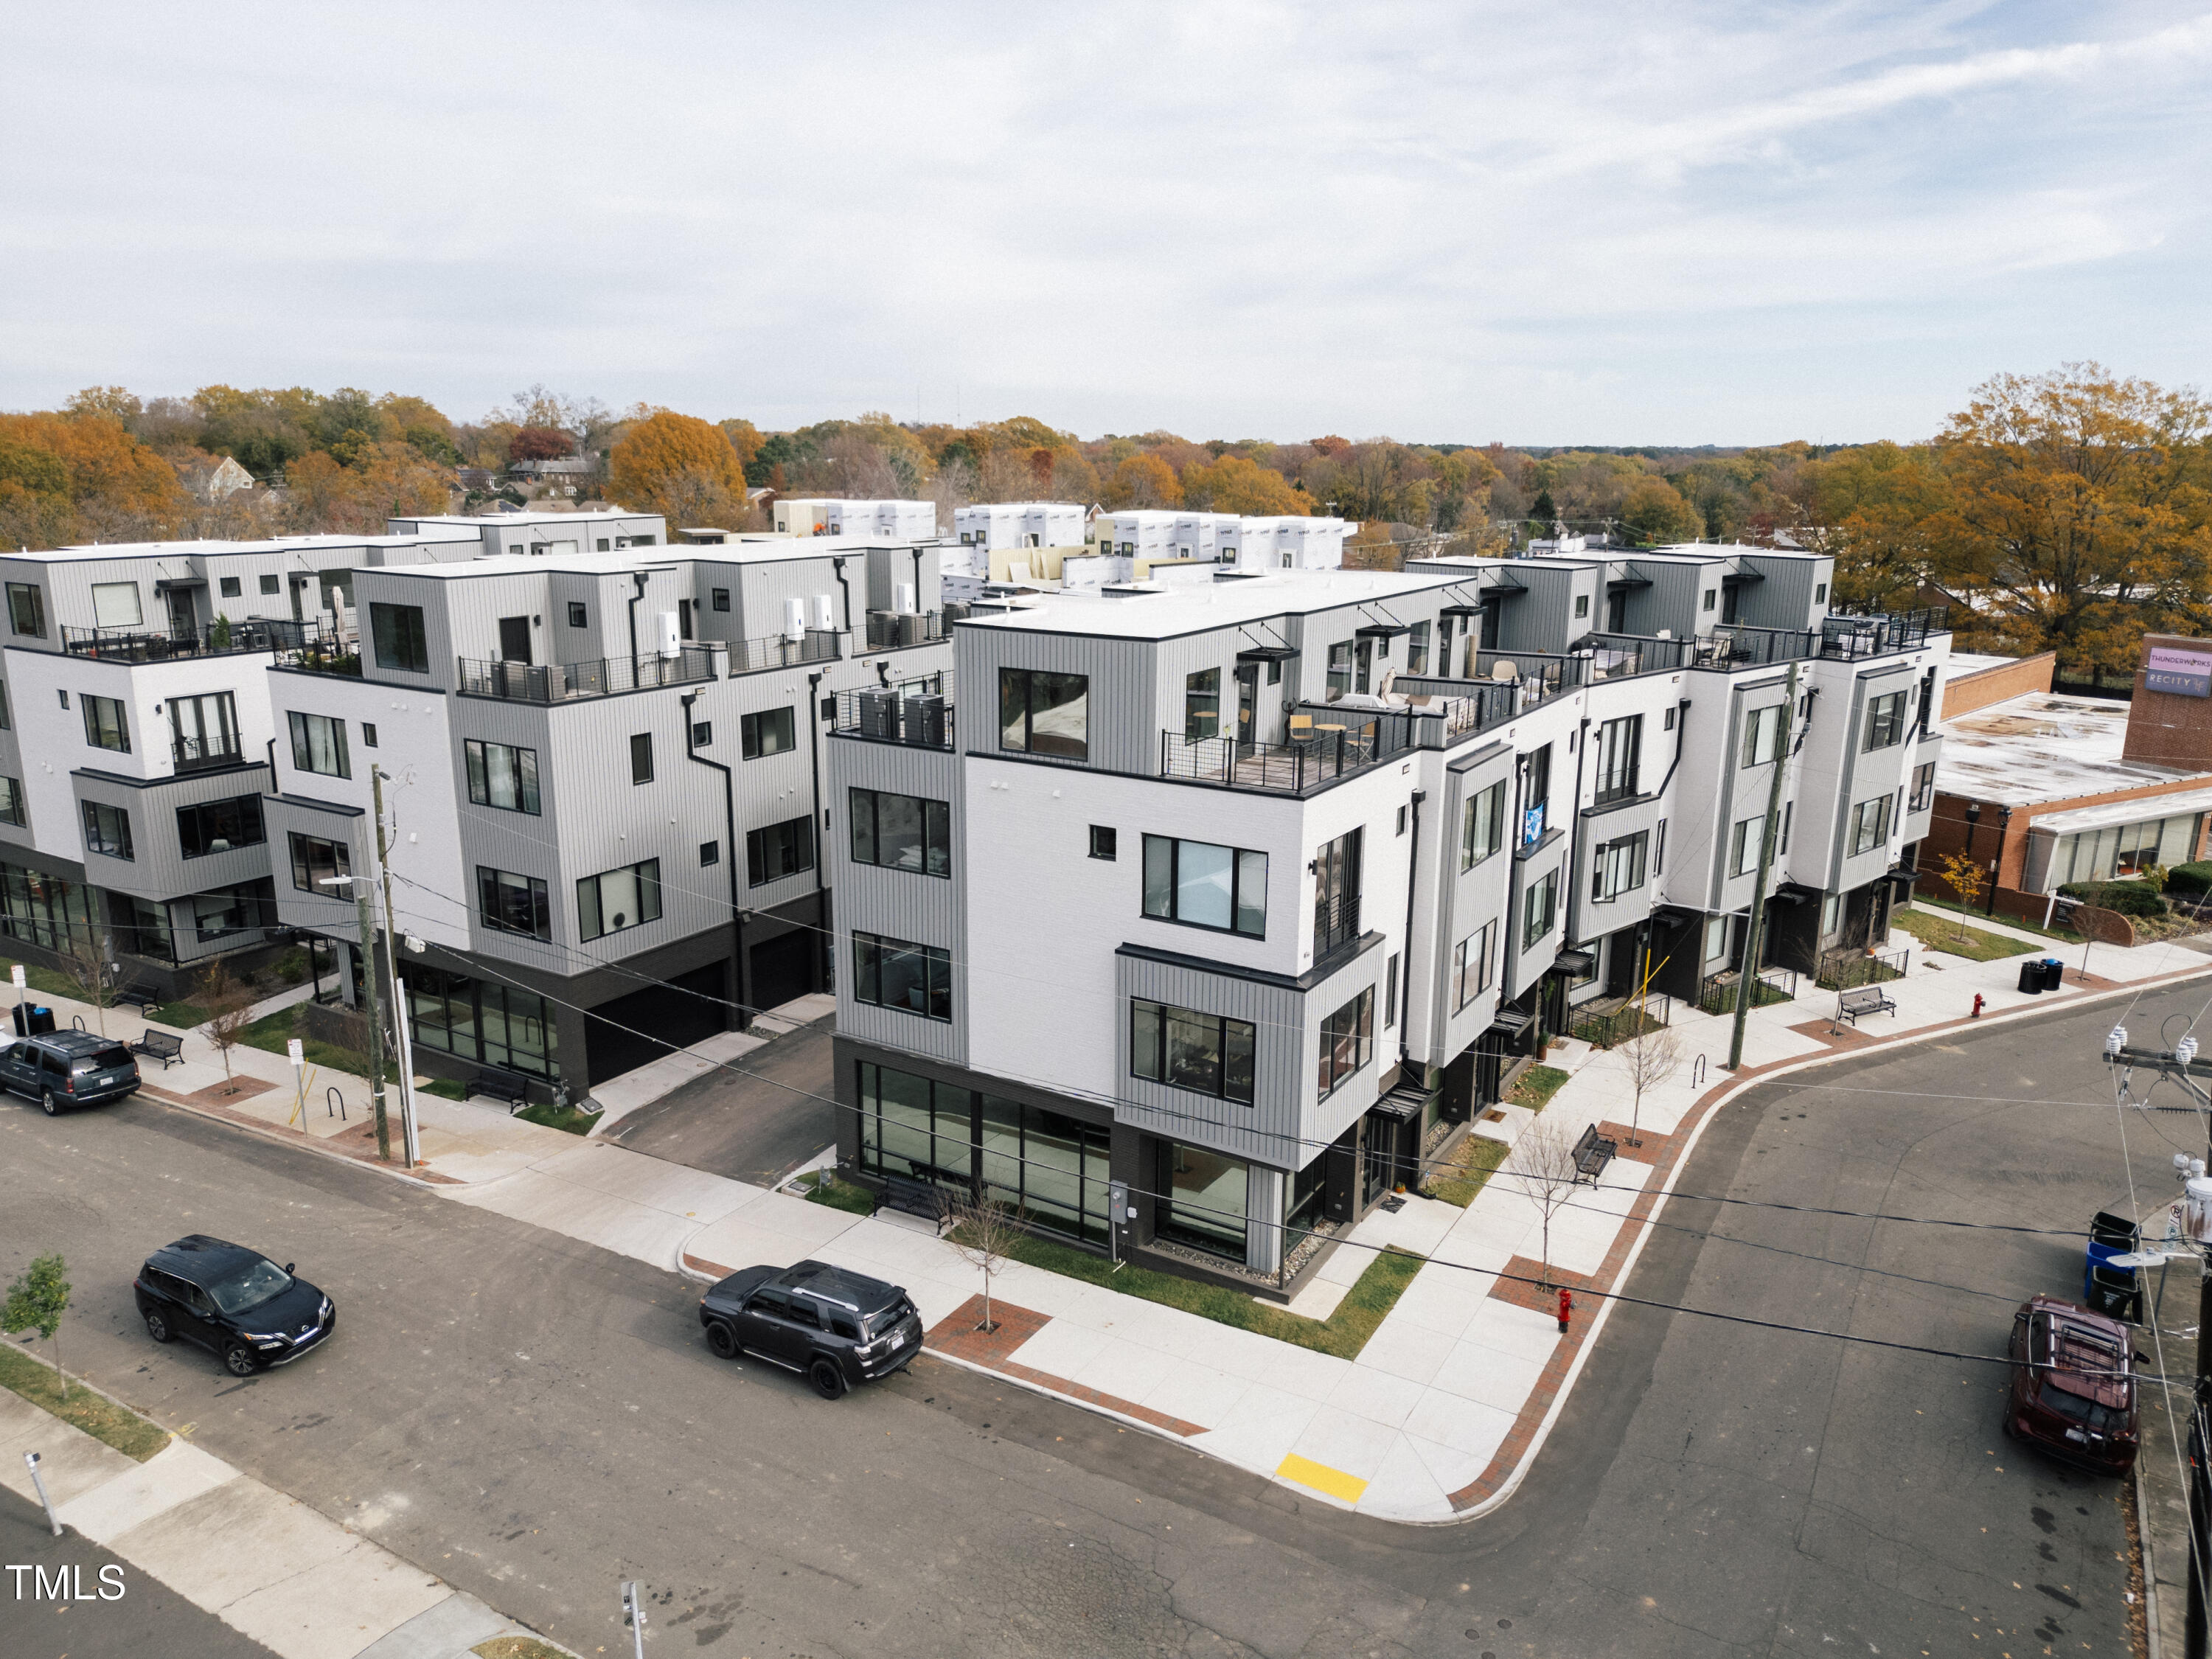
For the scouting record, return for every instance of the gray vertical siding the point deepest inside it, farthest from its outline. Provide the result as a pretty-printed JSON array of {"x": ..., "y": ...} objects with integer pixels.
[
  {"x": 157, "y": 867},
  {"x": 1473, "y": 897},
  {"x": 1125, "y": 720}
]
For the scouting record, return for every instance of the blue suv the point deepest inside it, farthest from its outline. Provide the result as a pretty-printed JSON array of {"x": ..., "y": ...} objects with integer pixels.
[{"x": 67, "y": 1068}]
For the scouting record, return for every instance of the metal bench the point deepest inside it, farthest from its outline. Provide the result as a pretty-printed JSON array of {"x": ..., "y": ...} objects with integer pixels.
[
  {"x": 1592, "y": 1153},
  {"x": 919, "y": 1198},
  {"x": 501, "y": 1085},
  {"x": 137, "y": 996},
  {"x": 159, "y": 1045},
  {"x": 1863, "y": 1000}
]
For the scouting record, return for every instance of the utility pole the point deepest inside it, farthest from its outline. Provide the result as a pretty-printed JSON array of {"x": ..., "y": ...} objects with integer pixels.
[
  {"x": 364, "y": 903},
  {"x": 1755, "y": 927},
  {"x": 376, "y": 776}
]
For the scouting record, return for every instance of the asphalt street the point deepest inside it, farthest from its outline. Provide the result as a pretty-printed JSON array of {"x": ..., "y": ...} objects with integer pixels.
[
  {"x": 535, "y": 1419},
  {"x": 756, "y": 1125}
]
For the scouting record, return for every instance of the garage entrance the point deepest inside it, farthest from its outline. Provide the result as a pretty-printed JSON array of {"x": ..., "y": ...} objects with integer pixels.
[
  {"x": 624, "y": 1034},
  {"x": 783, "y": 968}
]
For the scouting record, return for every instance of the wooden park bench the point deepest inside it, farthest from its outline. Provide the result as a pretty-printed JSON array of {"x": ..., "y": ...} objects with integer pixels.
[
  {"x": 1592, "y": 1153},
  {"x": 159, "y": 1045},
  {"x": 500, "y": 1085},
  {"x": 1863, "y": 1000}
]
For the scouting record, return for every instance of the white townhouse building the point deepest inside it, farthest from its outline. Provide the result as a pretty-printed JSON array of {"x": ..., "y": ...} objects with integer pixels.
[{"x": 1190, "y": 919}]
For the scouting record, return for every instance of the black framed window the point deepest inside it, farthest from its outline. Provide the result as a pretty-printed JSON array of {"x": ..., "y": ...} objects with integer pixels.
[
  {"x": 26, "y": 609},
  {"x": 617, "y": 899},
  {"x": 1336, "y": 893},
  {"x": 579, "y": 616},
  {"x": 1044, "y": 713},
  {"x": 1618, "y": 866},
  {"x": 721, "y": 598},
  {"x": 1470, "y": 965},
  {"x": 1620, "y": 752},
  {"x": 318, "y": 745},
  {"x": 503, "y": 775},
  {"x": 768, "y": 732},
  {"x": 1201, "y": 885},
  {"x": 1201, "y": 705},
  {"x": 368, "y": 734},
  {"x": 710, "y": 851},
  {"x": 400, "y": 640},
  {"x": 271, "y": 584},
  {"x": 897, "y": 973},
  {"x": 1205, "y": 1054},
  {"x": 1923, "y": 787},
  {"x": 107, "y": 829},
  {"x": 1744, "y": 842},
  {"x": 1540, "y": 910},
  {"x": 1886, "y": 721},
  {"x": 106, "y": 723},
  {"x": 1482, "y": 825},
  {"x": 1417, "y": 648},
  {"x": 225, "y": 912},
  {"x": 315, "y": 861},
  {"x": 1347, "y": 1042},
  {"x": 640, "y": 757},
  {"x": 1339, "y": 669},
  {"x": 512, "y": 903},
  {"x": 1104, "y": 840},
  {"x": 1870, "y": 824},
  {"x": 902, "y": 832},
  {"x": 778, "y": 850},
  {"x": 230, "y": 586},
  {"x": 217, "y": 826},
  {"x": 11, "y": 801},
  {"x": 1764, "y": 731},
  {"x": 203, "y": 730},
  {"x": 483, "y": 1021},
  {"x": 702, "y": 734}
]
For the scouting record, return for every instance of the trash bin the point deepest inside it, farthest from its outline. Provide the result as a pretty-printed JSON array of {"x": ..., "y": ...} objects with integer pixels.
[
  {"x": 2054, "y": 973},
  {"x": 2031, "y": 978},
  {"x": 32, "y": 1020}
]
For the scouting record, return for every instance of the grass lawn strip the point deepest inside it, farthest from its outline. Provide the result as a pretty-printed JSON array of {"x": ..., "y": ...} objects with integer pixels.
[
  {"x": 1537, "y": 1087},
  {"x": 1343, "y": 1334},
  {"x": 519, "y": 1647},
  {"x": 2064, "y": 935},
  {"x": 552, "y": 1117},
  {"x": 847, "y": 1195},
  {"x": 1472, "y": 1165},
  {"x": 1943, "y": 934},
  {"x": 85, "y": 1408}
]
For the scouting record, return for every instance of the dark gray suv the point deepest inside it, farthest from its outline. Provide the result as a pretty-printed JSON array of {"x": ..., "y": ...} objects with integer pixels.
[
  {"x": 838, "y": 1329},
  {"x": 67, "y": 1068}
]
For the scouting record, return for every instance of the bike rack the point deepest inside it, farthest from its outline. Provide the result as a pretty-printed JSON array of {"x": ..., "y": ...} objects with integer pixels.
[
  {"x": 1697, "y": 1073},
  {"x": 330, "y": 1095},
  {"x": 77, "y": 1022}
]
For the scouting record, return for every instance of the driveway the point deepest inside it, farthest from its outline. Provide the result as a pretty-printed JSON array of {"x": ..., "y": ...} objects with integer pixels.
[{"x": 757, "y": 1128}]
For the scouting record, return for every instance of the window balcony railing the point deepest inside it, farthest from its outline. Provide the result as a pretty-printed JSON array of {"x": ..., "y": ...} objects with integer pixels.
[
  {"x": 782, "y": 651},
  {"x": 918, "y": 712},
  {"x": 203, "y": 755},
  {"x": 1336, "y": 922},
  {"x": 221, "y": 638},
  {"x": 1332, "y": 751},
  {"x": 603, "y": 677}
]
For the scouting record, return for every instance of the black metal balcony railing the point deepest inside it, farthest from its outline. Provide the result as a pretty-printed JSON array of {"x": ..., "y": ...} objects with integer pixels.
[
  {"x": 780, "y": 651},
  {"x": 1327, "y": 752},
  {"x": 201, "y": 755},
  {"x": 1717, "y": 993},
  {"x": 1336, "y": 921},
  {"x": 218, "y": 639},
  {"x": 919, "y": 712},
  {"x": 552, "y": 682},
  {"x": 1619, "y": 656},
  {"x": 339, "y": 653}
]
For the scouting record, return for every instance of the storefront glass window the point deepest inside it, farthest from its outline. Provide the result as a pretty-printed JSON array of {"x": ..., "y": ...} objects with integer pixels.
[{"x": 1205, "y": 1200}]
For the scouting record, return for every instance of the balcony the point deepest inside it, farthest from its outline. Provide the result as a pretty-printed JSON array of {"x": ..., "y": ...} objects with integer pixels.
[
  {"x": 1336, "y": 922},
  {"x": 918, "y": 712},
  {"x": 203, "y": 755},
  {"x": 603, "y": 677},
  {"x": 219, "y": 639},
  {"x": 782, "y": 651}
]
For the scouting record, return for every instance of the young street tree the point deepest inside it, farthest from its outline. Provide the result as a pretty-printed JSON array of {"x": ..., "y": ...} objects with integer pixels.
[
  {"x": 1966, "y": 877},
  {"x": 1544, "y": 1159},
  {"x": 37, "y": 1300},
  {"x": 229, "y": 1007},
  {"x": 984, "y": 1231},
  {"x": 1651, "y": 1059},
  {"x": 86, "y": 964}
]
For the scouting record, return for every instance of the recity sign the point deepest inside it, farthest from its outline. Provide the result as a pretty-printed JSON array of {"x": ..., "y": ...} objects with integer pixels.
[{"x": 2184, "y": 673}]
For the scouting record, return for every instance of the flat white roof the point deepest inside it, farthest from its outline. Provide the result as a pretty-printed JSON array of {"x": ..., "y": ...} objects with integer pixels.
[
  {"x": 1193, "y": 607},
  {"x": 2139, "y": 811},
  {"x": 267, "y": 544},
  {"x": 478, "y": 520},
  {"x": 2041, "y": 747}
]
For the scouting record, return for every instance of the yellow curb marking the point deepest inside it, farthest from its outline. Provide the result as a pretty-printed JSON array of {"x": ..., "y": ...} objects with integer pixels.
[{"x": 1322, "y": 1478}]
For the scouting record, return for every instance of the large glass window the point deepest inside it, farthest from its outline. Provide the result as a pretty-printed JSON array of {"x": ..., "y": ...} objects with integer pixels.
[
  {"x": 217, "y": 826},
  {"x": 1471, "y": 965},
  {"x": 1417, "y": 648},
  {"x": 11, "y": 801},
  {"x": 768, "y": 732},
  {"x": 1763, "y": 730},
  {"x": 1540, "y": 909},
  {"x": 107, "y": 829},
  {"x": 1336, "y": 893},
  {"x": 1923, "y": 787},
  {"x": 1201, "y": 705},
  {"x": 203, "y": 730},
  {"x": 318, "y": 745},
  {"x": 115, "y": 605},
  {"x": 1203, "y": 885},
  {"x": 1052, "y": 1167},
  {"x": 503, "y": 775},
  {"x": 779, "y": 850},
  {"x": 1347, "y": 1042},
  {"x": 106, "y": 723},
  {"x": 1620, "y": 752},
  {"x": 902, "y": 832},
  {"x": 620, "y": 898},
  {"x": 1870, "y": 824},
  {"x": 1339, "y": 669},
  {"x": 45, "y": 910},
  {"x": 1482, "y": 825},
  {"x": 140, "y": 927},
  {"x": 1044, "y": 713},
  {"x": 1205, "y": 1054},
  {"x": 399, "y": 637},
  {"x": 483, "y": 1021},
  {"x": 896, "y": 973},
  {"x": 315, "y": 861},
  {"x": 1205, "y": 1199},
  {"x": 1884, "y": 727},
  {"x": 225, "y": 913},
  {"x": 512, "y": 903},
  {"x": 1619, "y": 867},
  {"x": 27, "y": 609}
]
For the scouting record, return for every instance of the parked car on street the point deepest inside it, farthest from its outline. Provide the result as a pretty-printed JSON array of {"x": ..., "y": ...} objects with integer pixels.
[
  {"x": 839, "y": 1329},
  {"x": 234, "y": 1302},
  {"x": 2073, "y": 1385},
  {"x": 67, "y": 1068}
]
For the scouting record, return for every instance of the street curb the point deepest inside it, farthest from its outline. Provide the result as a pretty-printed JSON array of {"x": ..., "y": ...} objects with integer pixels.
[{"x": 279, "y": 1135}]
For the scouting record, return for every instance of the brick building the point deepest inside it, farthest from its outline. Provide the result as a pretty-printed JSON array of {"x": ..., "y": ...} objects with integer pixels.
[{"x": 2043, "y": 789}]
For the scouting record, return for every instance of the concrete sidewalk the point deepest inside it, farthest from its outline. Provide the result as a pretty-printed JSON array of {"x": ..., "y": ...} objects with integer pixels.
[{"x": 266, "y": 1564}]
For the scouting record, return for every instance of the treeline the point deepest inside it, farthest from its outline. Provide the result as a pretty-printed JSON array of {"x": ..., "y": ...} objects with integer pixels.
[{"x": 2070, "y": 510}]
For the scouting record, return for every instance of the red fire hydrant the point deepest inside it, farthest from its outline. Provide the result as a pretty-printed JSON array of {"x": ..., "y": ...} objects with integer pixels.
[
  {"x": 1566, "y": 1309},
  {"x": 1977, "y": 1014}
]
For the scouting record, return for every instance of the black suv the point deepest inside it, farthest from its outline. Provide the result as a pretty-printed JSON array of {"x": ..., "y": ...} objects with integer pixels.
[
  {"x": 67, "y": 1068},
  {"x": 840, "y": 1329},
  {"x": 234, "y": 1302}
]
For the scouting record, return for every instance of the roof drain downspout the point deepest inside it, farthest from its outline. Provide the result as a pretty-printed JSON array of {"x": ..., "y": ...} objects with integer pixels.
[
  {"x": 729, "y": 857},
  {"x": 821, "y": 821},
  {"x": 1406, "y": 968},
  {"x": 641, "y": 578},
  {"x": 837, "y": 568}
]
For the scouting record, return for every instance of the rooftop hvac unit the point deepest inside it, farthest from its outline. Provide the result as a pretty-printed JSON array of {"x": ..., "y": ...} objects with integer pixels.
[
  {"x": 954, "y": 610},
  {"x": 795, "y": 619},
  {"x": 825, "y": 613},
  {"x": 879, "y": 714},
  {"x": 924, "y": 721},
  {"x": 910, "y": 629},
  {"x": 883, "y": 629}
]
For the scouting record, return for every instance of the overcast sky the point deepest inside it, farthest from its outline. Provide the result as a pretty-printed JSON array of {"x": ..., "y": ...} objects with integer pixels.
[{"x": 1542, "y": 223}]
